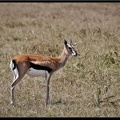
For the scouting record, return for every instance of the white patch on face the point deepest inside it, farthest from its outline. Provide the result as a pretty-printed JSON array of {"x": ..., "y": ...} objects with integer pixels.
[
  {"x": 72, "y": 50},
  {"x": 74, "y": 53},
  {"x": 35, "y": 73}
]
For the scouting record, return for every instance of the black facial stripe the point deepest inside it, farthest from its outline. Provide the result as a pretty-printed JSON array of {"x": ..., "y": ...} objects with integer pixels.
[
  {"x": 39, "y": 67},
  {"x": 70, "y": 48}
]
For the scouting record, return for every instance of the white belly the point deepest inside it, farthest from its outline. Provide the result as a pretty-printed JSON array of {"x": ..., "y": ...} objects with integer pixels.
[{"x": 35, "y": 73}]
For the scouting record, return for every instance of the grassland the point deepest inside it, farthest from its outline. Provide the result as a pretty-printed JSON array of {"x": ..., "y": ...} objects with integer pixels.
[{"x": 89, "y": 85}]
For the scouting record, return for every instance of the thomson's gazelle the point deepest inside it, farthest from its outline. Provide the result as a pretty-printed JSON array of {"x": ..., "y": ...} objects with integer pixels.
[{"x": 36, "y": 65}]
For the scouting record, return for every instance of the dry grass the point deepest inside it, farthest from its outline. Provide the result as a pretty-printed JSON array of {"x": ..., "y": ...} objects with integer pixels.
[{"x": 89, "y": 85}]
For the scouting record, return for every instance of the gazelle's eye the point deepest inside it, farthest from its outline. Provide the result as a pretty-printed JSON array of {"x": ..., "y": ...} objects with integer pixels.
[{"x": 69, "y": 48}]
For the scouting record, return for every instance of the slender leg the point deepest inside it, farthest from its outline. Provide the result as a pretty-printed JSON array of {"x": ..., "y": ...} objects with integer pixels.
[
  {"x": 47, "y": 77},
  {"x": 12, "y": 96},
  {"x": 14, "y": 83},
  {"x": 17, "y": 77},
  {"x": 18, "y": 74},
  {"x": 12, "y": 89}
]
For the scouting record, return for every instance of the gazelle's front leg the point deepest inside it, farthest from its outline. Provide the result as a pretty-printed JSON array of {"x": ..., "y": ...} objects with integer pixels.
[{"x": 47, "y": 77}]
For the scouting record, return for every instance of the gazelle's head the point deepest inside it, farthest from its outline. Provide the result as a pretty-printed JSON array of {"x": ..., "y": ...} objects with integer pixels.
[{"x": 70, "y": 48}]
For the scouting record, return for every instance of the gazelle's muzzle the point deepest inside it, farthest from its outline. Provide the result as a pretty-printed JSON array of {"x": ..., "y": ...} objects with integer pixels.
[{"x": 74, "y": 53}]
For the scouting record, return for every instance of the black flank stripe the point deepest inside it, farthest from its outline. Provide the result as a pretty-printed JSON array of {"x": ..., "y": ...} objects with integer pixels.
[{"x": 39, "y": 67}]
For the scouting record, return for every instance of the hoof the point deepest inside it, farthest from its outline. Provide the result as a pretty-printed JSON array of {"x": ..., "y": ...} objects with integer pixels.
[{"x": 12, "y": 103}]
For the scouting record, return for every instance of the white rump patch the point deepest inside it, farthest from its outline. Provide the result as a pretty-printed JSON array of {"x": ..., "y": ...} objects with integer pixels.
[
  {"x": 11, "y": 65},
  {"x": 15, "y": 71},
  {"x": 34, "y": 72}
]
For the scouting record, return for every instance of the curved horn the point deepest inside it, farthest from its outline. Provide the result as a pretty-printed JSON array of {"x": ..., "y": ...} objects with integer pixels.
[
  {"x": 70, "y": 41},
  {"x": 75, "y": 43}
]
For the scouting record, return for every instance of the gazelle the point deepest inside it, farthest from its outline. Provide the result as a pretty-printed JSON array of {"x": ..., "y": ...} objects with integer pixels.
[{"x": 36, "y": 65}]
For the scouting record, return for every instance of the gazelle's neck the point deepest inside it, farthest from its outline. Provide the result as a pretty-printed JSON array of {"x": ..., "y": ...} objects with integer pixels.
[{"x": 63, "y": 57}]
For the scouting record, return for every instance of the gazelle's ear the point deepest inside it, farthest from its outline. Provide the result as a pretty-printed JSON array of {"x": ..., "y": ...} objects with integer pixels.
[
  {"x": 70, "y": 41},
  {"x": 65, "y": 42}
]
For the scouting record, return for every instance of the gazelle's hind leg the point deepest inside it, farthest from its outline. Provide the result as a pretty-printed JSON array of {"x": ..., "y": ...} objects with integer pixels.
[
  {"x": 18, "y": 75},
  {"x": 15, "y": 76}
]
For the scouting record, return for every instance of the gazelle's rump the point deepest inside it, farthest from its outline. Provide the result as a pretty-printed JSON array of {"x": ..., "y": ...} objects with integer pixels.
[{"x": 14, "y": 69}]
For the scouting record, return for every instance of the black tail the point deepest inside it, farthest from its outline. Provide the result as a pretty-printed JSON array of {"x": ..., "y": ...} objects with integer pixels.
[{"x": 14, "y": 62}]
